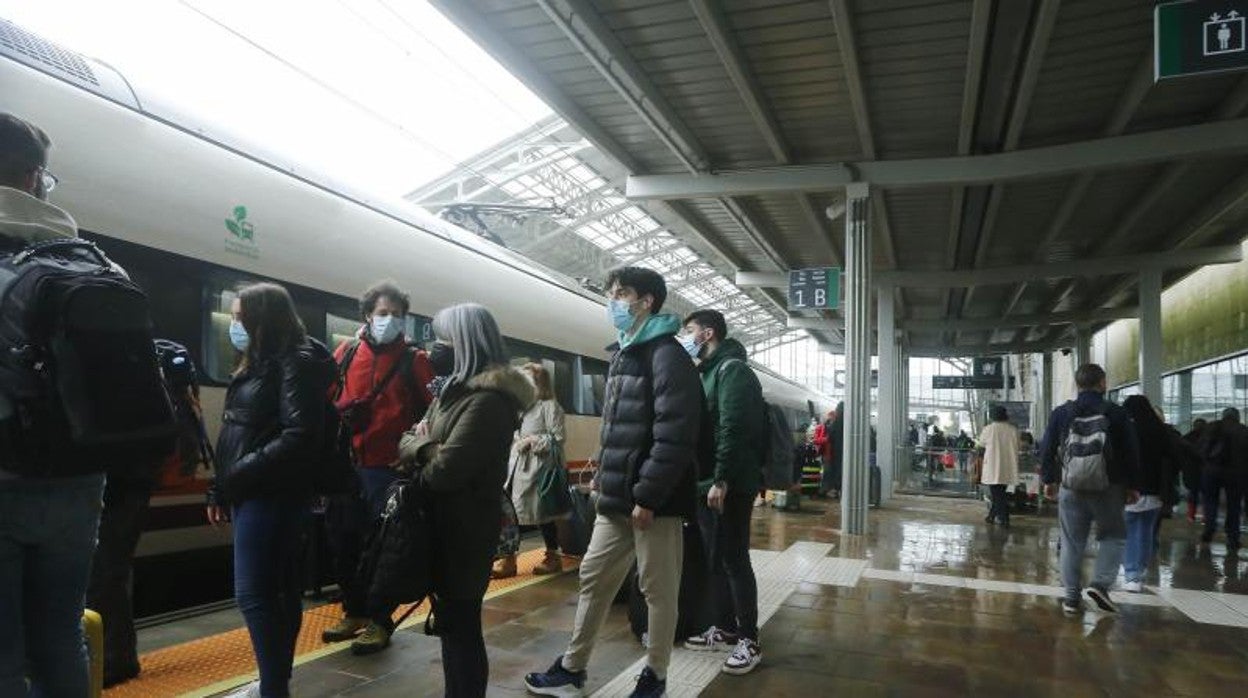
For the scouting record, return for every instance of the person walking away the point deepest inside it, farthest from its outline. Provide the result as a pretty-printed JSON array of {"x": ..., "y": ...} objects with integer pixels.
[
  {"x": 1157, "y": 463},
  {"x": 1090, "y": 451},
  {"x": 999, "y": 447},
  {"x": 833, "y": 454},
  {"x": 1193, "y": 469},
  {"x": 536, "y": 452},
  {"x": 384, "y": 391},
  {"x": 725, "y": 504},
  {"x": 271, "y": 431},
  {"x": 47, "y": 525},
  {"x": 646, "y": 482},
  {"x": 459, "y": 453},
  {"x": 1225, "y": 452}
]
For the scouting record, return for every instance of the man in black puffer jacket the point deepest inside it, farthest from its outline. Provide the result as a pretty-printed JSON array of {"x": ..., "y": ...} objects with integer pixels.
[{"x": 646, "y": 481}]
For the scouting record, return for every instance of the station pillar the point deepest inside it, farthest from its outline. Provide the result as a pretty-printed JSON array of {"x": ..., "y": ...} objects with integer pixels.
[
  {"x": 1150, "y": 335},
  {"x": 886, "y": 419},
  {"x": 858, "y": 347},
  {"x": 1083, "y": 346}
]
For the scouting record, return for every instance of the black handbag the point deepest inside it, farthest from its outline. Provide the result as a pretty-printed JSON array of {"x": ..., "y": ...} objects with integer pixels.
[{"x": 395, "y": 567}]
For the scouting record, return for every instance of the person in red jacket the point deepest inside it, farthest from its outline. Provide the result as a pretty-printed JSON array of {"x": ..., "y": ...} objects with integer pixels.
[{"x": 384, "y": 392}]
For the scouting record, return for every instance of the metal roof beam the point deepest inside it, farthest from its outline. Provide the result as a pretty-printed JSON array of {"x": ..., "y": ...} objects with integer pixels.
[
  {"x": 993, "y": 323},
  {"x": 1097, "y": 266},
  {"x": 936, "y": 351},
  {"x": 1221, "y": 139}
]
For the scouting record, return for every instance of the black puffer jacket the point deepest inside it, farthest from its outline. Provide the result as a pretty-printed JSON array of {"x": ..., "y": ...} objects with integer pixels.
[
  {"x": 271, "y": 429},
  {"x": 650, "y": 426}
]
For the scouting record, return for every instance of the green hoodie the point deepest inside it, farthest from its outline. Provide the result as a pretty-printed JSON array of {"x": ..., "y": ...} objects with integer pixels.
[
  {"x": 654, "y": 326},
  {"x": 735, "y": 399}
]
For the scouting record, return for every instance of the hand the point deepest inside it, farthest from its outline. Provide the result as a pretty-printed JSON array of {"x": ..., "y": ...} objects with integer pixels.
[
  {"x": 422, "y": 428},
  {"x": 1050, "y": 491},
  {"x": 715, "y": 497},
  {"x": 217, "y": 515},
  {"x": 1133, "y": 496},
  {"x": 642, "y": 517}
]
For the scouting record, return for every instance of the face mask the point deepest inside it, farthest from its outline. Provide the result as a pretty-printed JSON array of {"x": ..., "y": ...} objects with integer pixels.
[
  {"x": 621, "y": 315},
  {"x": 238, "y": 336},
  {"x": 691, "y": 345},
  {"x": 442, "y": 359},
  {"x": 385, "y": 328}
]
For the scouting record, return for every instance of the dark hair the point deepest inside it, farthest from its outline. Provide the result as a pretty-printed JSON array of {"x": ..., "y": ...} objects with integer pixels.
[
  {"x": 646, "y": 282},
  {"x": 1089, "y": 376},
  {"x": 999, "y": 413},
  {"x": 23, "y": 149},
  {"x": 268, "y": 315},
  {"x": 1230, "y": 414},
  {"x": 1150, "y": 431},
  {"x": 384, "y": 289},
  {"x": 712, "y": 319}
]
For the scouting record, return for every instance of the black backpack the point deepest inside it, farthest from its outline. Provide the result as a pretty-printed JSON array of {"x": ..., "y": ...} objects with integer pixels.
[
  {"x": 81, "y": 387},
  {"x": 394, "y": 566}
]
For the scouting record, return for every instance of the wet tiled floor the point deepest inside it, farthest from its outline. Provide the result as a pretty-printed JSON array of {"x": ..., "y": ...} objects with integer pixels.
[{"x": 906, "y": 619}]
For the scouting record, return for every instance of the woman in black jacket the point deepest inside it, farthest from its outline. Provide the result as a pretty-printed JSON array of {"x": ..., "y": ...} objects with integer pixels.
[
  {"x": 460, "y": 453},
  {"x": 1157, "y": 482},
  {"x": 270, "y": 436}
]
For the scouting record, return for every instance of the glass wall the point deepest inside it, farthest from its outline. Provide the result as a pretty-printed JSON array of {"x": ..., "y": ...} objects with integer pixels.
[{"x": 1200, "y": 393}]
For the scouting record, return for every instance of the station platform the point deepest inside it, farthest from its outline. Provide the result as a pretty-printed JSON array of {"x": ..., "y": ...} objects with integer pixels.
[{"x": 932, "y": 602}]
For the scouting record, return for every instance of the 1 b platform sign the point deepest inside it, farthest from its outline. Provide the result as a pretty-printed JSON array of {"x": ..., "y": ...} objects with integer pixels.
[
  {"x": 1198, "y": 37},
  {"x": 815, "y": 289}
]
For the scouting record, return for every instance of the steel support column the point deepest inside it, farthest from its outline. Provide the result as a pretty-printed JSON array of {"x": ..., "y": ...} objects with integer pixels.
[
  {"x": 886, "y": 431},
  {"x": 1046, "y": 395},
  {"x": 857, "y": 360},
  {"x": 1083, "y": 346},
  {"x": 1182, "y": 416},
  {"x": 901, "y": 457},
  {"x": 1150, "y": 335}
]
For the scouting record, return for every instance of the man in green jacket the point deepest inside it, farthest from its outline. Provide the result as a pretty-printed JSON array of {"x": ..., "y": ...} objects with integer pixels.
[{"x": 738, "y": 421}]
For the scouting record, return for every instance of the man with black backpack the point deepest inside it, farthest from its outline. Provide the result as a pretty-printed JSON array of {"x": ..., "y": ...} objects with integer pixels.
[
  {"x": 60, "y": 424},
  {"x": 383, "y": 391},
  {"x": 738, "y": 439},
  {"x": 1090, "y": 450},
  {"x": 646, "y": 482},
  {"x": 1225, "y": 453}
]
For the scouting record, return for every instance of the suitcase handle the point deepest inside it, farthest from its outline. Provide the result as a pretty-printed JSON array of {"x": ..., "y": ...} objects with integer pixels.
[{"x": 40, "y": 248}]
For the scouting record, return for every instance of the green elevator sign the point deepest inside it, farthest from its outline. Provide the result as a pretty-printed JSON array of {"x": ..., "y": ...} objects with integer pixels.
[
  {"x": 1202, "y": 36},
  {"x": 815, "y": 289}
]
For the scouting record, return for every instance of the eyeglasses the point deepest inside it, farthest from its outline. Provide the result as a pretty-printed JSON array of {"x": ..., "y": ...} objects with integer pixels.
[{"x": 48, "y": 180}]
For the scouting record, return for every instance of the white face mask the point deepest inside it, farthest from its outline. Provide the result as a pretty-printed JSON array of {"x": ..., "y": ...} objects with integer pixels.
[{"x": 385, "y": 328}]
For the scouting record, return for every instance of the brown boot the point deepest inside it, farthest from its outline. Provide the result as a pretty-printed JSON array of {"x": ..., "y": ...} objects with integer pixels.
[
  {"x": 551, "y": 564},
  {"x": 504, "y": 567}
]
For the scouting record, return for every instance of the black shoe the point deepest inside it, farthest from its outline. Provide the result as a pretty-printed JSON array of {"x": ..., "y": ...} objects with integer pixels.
[
  {"x": 556, "y": 681},
  {"x": 989, "y": 520},
  {"x": 116, "y": 676},
  {"x": 1206, "y": 537},
  {"x": 649, "y": 685},
  {"x": 1100, "y": 597}
]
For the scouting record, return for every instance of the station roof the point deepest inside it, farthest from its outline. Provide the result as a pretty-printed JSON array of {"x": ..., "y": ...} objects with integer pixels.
[{"x": 995, "y": 134}]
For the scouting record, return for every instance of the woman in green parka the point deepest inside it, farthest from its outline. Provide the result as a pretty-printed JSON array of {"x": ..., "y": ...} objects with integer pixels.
[{"x": 459, "y": 453}]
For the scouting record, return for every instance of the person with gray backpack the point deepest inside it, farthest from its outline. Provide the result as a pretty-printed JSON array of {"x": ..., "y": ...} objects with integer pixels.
[{"x": 1090, "y": 451}]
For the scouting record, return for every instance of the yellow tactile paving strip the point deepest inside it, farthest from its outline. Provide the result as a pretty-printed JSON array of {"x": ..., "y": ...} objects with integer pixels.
[{"x": 214, "y": 664}]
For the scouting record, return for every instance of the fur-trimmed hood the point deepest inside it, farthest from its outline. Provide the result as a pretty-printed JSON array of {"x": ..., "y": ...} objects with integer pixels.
[
  {"x": 29, "y": 219},
  {"x": 509, "y": 381}
]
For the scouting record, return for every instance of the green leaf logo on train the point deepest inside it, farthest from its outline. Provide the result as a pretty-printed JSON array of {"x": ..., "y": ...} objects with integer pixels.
[{"x": 243, "y": 234}]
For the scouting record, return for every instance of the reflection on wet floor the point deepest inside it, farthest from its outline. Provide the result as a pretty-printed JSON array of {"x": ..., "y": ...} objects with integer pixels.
[{"x": 853, "y": 635}]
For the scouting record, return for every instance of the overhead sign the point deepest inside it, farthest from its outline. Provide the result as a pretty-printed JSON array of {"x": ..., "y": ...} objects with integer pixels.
[
  {"x": 970, "y": 383},
  {"x": 815, "y": 289},
  {"x": 988, "y": 367},
  {"x": 1204, "y": 36}
]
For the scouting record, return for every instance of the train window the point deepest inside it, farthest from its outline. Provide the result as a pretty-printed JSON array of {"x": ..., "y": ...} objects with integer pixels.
[
  {"x": 339, "y": 329},
  {"x": 593, "y": 386},
  {"x": 558, "y": 364},
  {"x": 220, "y": 358}
]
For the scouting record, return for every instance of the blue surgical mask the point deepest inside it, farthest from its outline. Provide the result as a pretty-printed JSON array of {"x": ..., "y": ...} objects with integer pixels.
[
  {"x": 385, "y": 328},
  {"x": 691, "y": 345},
  {"x": 238, "y": 336},
  {"x": 621, "y": 315}
]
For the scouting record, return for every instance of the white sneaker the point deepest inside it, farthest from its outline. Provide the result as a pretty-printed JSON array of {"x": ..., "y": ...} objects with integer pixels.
[
  {"x": 744, "y": 658},
  {"x": 713, "y": 640},
  {"x": 251, "y": 690},
  {"x": 1133, "y": 587}
]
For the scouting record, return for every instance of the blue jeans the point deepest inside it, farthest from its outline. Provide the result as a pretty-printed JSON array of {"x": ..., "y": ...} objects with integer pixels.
[
  {"x": 268, "y": 538},
  {"x": 1076, "y": 512},
  {"x": 1141, "y": 532},
  {"x": 47, "y": 538}
]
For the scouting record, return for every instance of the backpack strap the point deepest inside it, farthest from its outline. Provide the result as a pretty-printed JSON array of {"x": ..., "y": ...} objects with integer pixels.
[{"x": 353, "y": 346}]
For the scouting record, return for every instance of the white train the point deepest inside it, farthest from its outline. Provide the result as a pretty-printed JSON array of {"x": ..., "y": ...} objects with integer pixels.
[{"x": 191, "y": 214}]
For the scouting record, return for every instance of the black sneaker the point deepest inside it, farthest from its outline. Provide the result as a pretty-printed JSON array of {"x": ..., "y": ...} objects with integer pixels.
[
  {"x": 1071, "y": 608},
  {"x": 649, "y": 685},
  {"x": 1100, "y": 597},
  {"x": 744, "y": 658},
  {"x": 556, "y": 681}
]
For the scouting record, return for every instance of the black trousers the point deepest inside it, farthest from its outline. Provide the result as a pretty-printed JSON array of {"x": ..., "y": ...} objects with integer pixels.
[
  {"x": 109, "y": 592},
  {"x": 1000, "y": 508},
  {"x": 348, "y": 521},
  {"x": 550, "y": 534},
  {"x": 726, "y": 538},
  {"x": 465, "y": 666}
]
